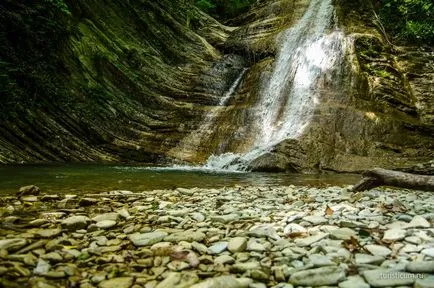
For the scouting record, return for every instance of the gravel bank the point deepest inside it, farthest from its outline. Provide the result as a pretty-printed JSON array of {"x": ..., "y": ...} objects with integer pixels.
[{"x": 232, "y": 237}]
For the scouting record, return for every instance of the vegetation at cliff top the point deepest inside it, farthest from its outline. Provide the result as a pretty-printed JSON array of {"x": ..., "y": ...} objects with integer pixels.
[
  {"x": 409, "y": 20},
  {"x": 224, "y": 9}
]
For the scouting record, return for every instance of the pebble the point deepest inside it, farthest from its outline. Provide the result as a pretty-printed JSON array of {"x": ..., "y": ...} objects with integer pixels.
[
  {"x": 418, "y": 222},
  {"x": 394, "y": 234},
  {"x": 378, "y": 250},
  {"x": 303, "y": 242},
  {"x": 354, "y": 282},
  {"x": 220, "y": 282},
  {"x": 42, "y": 267},
  {"x": 237, "y": 244},
  {"x": 224, "y": 259},
  {"x": 319, "y": 260},
  {"x": 12, "y": 244},
  {"x": 106, "y": 224},
  {"x": 385, "y": 278},
  {"x": 147, "y": 239},
  {"x": 121, "y": 282},
  {"x": 342, "y": 233},
  {"x": 428, "y": 252},
  {"x": 426, "y": 282},
  {"x": 74, "y": 223},
  {"x": 113, "y": 216},
  {"x": 368, "y": 259},
  {"x": 318, "y": 277},
  {"x": 316, "y": 220},
  {"x": 420, "y": 267},
  {"x": 293, "y": 228},
  {"x": 217, "y": 248},
  {"x": 188, "y": 236},
  {"x": 28, "y": 190}
]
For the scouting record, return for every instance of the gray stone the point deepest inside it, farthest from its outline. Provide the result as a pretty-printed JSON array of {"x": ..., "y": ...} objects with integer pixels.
[
  {"x": 342, "y": 233},
  {"x": 106, "y": 224},
  {"x": 316, "y": 220},
  {"x": 420, "y": 267},
  {"x": 38, "y": 222},
  {"x": 368, "y": 259},
  {"x": 246, "y": 266},
  {"x": 303, "y": 242},
  {"x": 354, "y": 282},
  {"x": 52, "y": 257},
  {"x": 98, "y": 277},
  {"x": 121, "y": 282},
  {"x": 199, "y": 247},
  {"x": 426, "y": 282},
  {"x": 42, "y": 267},
  {"x": 218, "y": 248},
  {"x": 49, "y": 233},
  {"x": 294, "y": 228},
  {"x": 386, "y": 278},
  {"x": 318, "y": 277},
  {"x": 254, "y": 245},
  {"x": 28, "y": 190},
  {"x": 264, "y": 230},
  {"x": 188, "y": 236},
  {"x": 147, "y": 239},
  {"x": 225, "y": 218},
  {"x": 178, "y": 280},
  {"x": 418, "y": 222},
  {"x": 224, "y": 259},
  {"x": 197, "y": 217},
  {"x": 283, "y": 285},
  {"x": 106, "y": 216},
  {"x": 378, "y": 250},
  {"x": 12, "y": 244},
  {"x": 227, "y": 281},
  {"x": 319, "y": 260},
  {"x": 74, "y": 223},
  {"x": 237, "y": 244},
  {"x": 124, "y": 213},
  {"x": 394, "y": 234},
  {"x": 428, "y": 251}
]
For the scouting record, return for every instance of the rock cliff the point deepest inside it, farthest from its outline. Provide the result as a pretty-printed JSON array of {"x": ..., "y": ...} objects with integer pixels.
[{"x": 129, "y": 80}]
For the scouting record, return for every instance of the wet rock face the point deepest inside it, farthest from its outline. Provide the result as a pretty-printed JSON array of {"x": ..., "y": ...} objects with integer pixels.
[
  {"x": 381, "y": 115},
  {"x": 139, "y": 83}
]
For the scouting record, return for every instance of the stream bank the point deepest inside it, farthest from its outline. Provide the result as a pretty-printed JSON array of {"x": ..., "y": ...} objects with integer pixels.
[{"x": 285, "y": 236}]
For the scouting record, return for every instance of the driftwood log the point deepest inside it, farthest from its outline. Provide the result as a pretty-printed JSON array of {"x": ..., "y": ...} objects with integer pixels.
[{"x": 382, "y": 177}]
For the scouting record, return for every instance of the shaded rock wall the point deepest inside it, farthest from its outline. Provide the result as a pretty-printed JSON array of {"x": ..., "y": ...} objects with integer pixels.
[
  {"x": 127, "y": 75},
  {"x": 133, "y": 80}
]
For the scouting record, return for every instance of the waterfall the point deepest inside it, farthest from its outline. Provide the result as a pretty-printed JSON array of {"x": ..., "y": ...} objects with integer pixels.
[
  {"x": 189, "y": 144},
  {"x": 309, "y": 53}
]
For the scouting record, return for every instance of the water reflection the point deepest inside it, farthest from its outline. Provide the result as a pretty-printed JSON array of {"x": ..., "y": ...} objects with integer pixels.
[{"x": 98, "y": 178}]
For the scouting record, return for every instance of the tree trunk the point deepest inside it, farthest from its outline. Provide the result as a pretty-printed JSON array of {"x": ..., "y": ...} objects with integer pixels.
[{"x": 382, "y": 177}]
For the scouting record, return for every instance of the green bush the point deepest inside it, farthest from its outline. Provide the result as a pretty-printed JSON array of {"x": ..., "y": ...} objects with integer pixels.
[
  {"x": 224, "y": 9},
  {"x": 409, "y": 20}
]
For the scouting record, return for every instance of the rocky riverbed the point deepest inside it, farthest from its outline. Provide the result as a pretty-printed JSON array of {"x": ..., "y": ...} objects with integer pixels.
[{"x": 232, "y": 237}]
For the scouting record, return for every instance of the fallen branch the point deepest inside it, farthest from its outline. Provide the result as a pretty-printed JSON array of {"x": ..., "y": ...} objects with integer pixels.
[{"x": 382, "y": 177}]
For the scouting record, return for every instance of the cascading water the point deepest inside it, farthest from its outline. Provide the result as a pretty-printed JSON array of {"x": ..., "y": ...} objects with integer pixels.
[
  {"x": 308, "y": 55},
  {"x": 188, "y": 145}
]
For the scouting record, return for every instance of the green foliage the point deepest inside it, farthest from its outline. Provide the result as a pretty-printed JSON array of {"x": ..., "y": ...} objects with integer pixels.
[
  {"x": 205, "y": 5},
  {"x": 224, "y": 9},
  {"x": 61, "y": 5},
  {"x": 409, "y": 20},
  {"x": 31, "y": 35}
]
